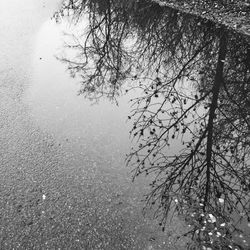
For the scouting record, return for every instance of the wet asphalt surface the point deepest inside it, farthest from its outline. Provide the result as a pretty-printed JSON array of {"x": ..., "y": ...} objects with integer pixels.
[{"x": 60, "y": 192}]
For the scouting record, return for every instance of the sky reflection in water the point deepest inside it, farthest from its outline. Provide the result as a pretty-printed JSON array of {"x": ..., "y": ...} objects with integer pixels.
[{"x": 190, "y": 54}]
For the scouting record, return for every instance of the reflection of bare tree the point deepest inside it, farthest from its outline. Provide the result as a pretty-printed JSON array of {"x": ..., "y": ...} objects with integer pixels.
[
  {"x": 103, "y": 62},
  {"x": 212, "y": 169},
  {"x": 195, "y": 84}
]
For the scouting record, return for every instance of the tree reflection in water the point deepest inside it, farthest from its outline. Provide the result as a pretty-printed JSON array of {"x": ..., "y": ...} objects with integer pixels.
[{"x": 194, "y": 78}]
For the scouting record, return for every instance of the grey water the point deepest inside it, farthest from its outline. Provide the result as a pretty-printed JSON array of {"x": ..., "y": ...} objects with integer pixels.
[{"x": 64, "y": 184}]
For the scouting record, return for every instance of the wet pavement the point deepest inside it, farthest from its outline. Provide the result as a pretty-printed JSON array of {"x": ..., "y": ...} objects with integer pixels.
[{"x": 63, "y": 180}]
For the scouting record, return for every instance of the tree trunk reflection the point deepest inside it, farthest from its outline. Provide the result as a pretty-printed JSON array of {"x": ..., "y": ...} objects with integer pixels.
[{"x": 194, "y": 79}]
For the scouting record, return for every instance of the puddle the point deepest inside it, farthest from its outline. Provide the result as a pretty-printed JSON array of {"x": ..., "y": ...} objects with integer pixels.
[
  {"x": 53, "y": 99},
  {"x": 95, "y": 138}
]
